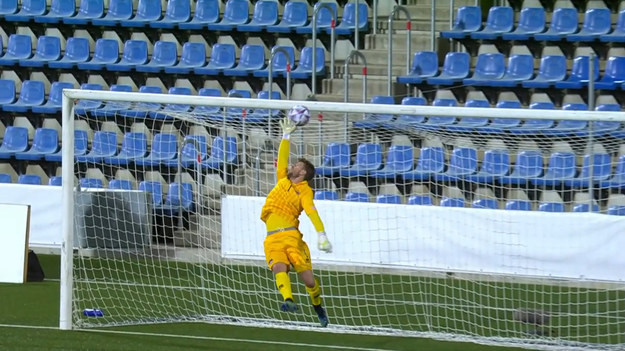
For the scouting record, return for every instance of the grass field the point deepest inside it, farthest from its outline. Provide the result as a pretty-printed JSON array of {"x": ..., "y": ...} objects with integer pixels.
[{"x": 29, "y": 320}]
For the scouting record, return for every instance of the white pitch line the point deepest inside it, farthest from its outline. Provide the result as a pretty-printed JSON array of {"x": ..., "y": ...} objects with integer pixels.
[{"x": 197, "y": 337}]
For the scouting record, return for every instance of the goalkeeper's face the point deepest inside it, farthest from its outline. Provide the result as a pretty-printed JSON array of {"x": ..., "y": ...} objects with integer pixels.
[{"x": 297, "y": 172}]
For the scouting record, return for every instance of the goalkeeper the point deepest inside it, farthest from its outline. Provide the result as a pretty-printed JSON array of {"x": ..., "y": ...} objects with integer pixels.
[{"x": 284, "y": 246}]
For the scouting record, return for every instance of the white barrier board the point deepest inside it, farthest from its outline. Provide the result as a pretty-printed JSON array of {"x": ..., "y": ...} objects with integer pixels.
[{"x": 13, "y": 242}]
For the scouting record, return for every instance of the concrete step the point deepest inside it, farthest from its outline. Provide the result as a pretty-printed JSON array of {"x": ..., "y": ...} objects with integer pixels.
[
  {"x": 375, "y": 86},
  {"x": 204, "y": 231},
  {"x": 418, "y": 40},
  {"x": 372, "y": 70}
]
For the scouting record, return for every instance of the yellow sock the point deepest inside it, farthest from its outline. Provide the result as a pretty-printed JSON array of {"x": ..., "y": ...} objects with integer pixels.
[
  {"x": 284, "y": 285},
  {"x": 315, "y": 293}
]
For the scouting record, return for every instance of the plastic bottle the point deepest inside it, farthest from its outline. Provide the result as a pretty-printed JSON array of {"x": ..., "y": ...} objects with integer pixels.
[{"x": 93, "y": 312}]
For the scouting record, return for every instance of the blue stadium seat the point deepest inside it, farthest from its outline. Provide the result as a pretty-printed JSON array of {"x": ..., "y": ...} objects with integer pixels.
[
  {"x": 425, "y": 200},
  {"x": 29, "y": 10},
  {"x": 179, "y": 198},
  {"x": 532, "y": 126},
  {"x": 117, "y": 12},
  {"x": 252, "y": 59},
  {"x": 368, "y": 159},
  {"x": 551, "y": 207},
  {"x": 613, "y": 74},
  {"x": 18, "y": 48},
  {"x": 207, "y": 110},
  {"x": 485, "y": 204},
  {"x": 388, "y": 199},
  {"x": 529, "y": 165},
  {"x": 45, "y": 142},
  {"x": 135, "y": 54},
  {"x": 324, "y": 19},
  {"x": 15, "y": 140},
  {"x": 616, "y": 180},
  {"x": 468, "y": 20},
  {"x": 7, "y": 92},
  {"x": 561, "y": 167},
  {"x": 347, "y": 24},
  {"x": 518, "y": 205},
  {"x": 85, "y": 106},
  {"x": 531, "y": 21},
  {"x": 326, "y": 195},
  {"x": 405, "y": 122},
  {"x": 134, "y": 146},
  {"x": 455, "y": 69},
  {"x": 452, "y": 202},
  {"x": 5, "y": 178},
  {"x": 106, "y": 52},
  {"x": 222, "y": 58},
  {"x": 216, "y": 159},
  {"x": 155, "y": 189},
  {"x": 462, "y": 163},
  {"x": 599, "y": 170},
  {"x": 89, "y": 10},
  {"x": 500, "y": 20},
  {"x": 337, "y": 157},
  {"x": 356, "y": 197},
  {"x": 169, "y": 109},
  {"x": 520, "y": 69},
  {"x": 375, "y": 120},
  {"x": 618, "y": 34},
  {"x": 120, "y": 184},
  {"x": 616, "y": 210},
  {"x": 279, "y": 63},
  {"x": 164, "y": 148},
  {"x": 8, "y": 7},
  {"x": 111, "y": 108},
  {"x": 399, "y": 159},
  {"x": 32, "y": 94},
  {"x": 436, "y": 122},
  {"x": 496, "y": 164},
  {"x": 304, "y": 69},
  {"x": 206, "y": 12},
  {"x": 91, "y": 183},
  {"x": 148, "y": 11},
  {"x": 260, "y": 115},
  {"x": 76, "y": 51},
  {"x": 164, "y": 55},
  {"x": 59, "y": 9},
  {"x": 430, "y": 163},
  {"x": 585, "y": 208},
  {"x": 597, "y": 22},
  {"x": 563, "y": 22},
  {"x": 189, "y": 152},
  {"x": 606, "y": 127},
  {"x": 579, "y": 76},
  {"x": 265, "y": 15},
  {"x": 29, "y": 179},
  {"x": 497, "y": 125},
  {"x": 295, "y": 15},
  {"x": 233, "y": 113},
  {"x": 80, "y": 147},
  {"x": 235, "y": 13},
  {"x": 569, "y": 127},
  {"x": 552, "y": 69},
  {"x": 489, "y": 67},
  {"x": 48, "y": 50},
  {"x": 177, "y": 11},
  {"x": 424, "y": 65},
  {"x": 104, "y": 145},
  {"x": 467, "y": 124},
  {"x": 193, "y": 56}
]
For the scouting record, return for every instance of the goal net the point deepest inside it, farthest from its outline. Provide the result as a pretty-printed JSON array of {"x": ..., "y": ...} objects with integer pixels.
[{"x": 493, "y": 225}]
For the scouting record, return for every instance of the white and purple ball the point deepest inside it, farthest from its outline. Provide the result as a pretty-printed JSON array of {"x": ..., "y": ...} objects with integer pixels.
[{"x": 300, "y": 115}]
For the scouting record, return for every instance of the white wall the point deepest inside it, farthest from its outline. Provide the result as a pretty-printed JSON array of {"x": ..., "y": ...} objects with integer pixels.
[{"x": 13, "y": 242}]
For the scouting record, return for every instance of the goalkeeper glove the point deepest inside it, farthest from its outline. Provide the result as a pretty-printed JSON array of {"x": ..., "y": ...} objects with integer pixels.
[
  {"x": 288, "y": 127},
  {"x": 323, "y": 243}
]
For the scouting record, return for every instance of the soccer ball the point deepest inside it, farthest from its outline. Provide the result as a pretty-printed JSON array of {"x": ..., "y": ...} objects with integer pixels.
[{"x": 300, "y": 115}]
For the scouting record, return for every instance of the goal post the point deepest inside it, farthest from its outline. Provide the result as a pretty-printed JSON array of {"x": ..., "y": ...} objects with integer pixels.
[{"x": 491, "y": 225}]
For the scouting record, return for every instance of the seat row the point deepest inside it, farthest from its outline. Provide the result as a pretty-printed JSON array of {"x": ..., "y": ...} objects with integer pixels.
[
  {"x": 178, "y": 14},
  {"x": 532, "y": 24}
]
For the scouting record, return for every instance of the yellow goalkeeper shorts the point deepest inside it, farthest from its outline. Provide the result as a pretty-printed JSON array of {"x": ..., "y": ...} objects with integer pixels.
[{"x": 288, "y": 248}]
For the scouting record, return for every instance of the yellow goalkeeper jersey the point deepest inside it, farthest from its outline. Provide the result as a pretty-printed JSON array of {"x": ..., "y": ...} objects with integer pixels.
[{"x": 287, "y": 200}]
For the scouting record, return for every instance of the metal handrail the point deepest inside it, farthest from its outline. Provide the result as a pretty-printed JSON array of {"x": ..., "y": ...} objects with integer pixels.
[
  {"x": 346, "y": 84},
  {"x": 286, "y": 53},
  {"x": 314, "y": 43},
  {"x": 390, "y": 45}
]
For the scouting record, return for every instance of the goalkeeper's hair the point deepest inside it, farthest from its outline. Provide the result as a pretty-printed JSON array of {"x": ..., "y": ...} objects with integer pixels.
[{"x": 309, "y": 167}]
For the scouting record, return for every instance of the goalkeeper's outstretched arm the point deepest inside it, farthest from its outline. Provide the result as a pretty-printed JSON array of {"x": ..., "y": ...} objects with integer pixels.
[
  {"x": 323, "y": 243},
  {"x": 282, "y": 168}
]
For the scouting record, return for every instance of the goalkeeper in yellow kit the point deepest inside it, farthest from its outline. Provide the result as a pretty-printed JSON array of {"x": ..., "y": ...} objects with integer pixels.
[{"x": 284, "y": 246}]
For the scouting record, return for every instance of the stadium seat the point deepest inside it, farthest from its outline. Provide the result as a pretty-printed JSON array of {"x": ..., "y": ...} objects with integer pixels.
[
  {"x": 55, "y": 181},
  {"x": 120, "y": 184},
  {"x": 29, "y": 179},
  {"x": 424, "y": 65},
  {"x": 15, "y": 140},
  {"x": 45, "y": 142},
  {"x": 279, "y": 63},
  {"x": 552, "y": 69},
  {"x": 235, "y": 13},
  {"x": 89, "y": 10},
  {"x": 561, "y": 167},
  {"x": 489, "y": 67},
  {"x": 91, "y": 183},
  {"x": 169, "y": 109},
  {"x": 529, "y": 165},
  {"x": 148, "y": 11},
  {"x": 496, "y": 164},
  {"x": 233, "y": 113},
  {"x": 48, "y": 50},
  {"x": 206, "y": 12},
  {"x": 425, "y": 200},
  {"x": 563, "y": 23},
  {"x": 597, "y": 22},
  {"x": 613, "y": 75},
  {"x": 85, "y": 106},
  {"x": 134, "y": 146},
  {"x": 76, "y": 51},
  {"x": 265, "y": 14},
  {"x": 207, "y": 110},
  {"x": 106, "y": 52},
  {"x": 347, "y": 24},
  {"x": 468, "y": 20},
  {"x": 569, "y": 127},
  {"x": 551, "y": 207},
  {"x": 104, "y": 145},
  {"x": 179, "y": 198},
  {"x": 388, "y": 199},
  {"x": 467, "y": 124},
  {"x": 216, "y": 159},
  {"x": 326, "y": 195},
  {"x": 295, "y": 15},
  {"x": 222, "y": 58},
  {"x": 260, "y": 115},
  {"x": 430, "y": 163},
  {"x": 462, "y": 163},
  {"x": 375, "y": 120},
  {"x": 155, "y": 189},
  {"x": 304, "y": 69},
  {"x": 252, "y": 59},
  {"x": 80, "y": 147},
  {"x": 117, "y": 12},
  {"x": 616, "y": 210},
  {"x": 532, "y": 126},
  {"x": 617, "y": 179},
  {"x": 531, "y": 21},
  {"x": 164, "y": 148},
  {"x": 437, "y": 122},
  {"x": 135, "y": 54},
  {"x": 368, "y": 159},
  {"x": 8, "y": 7},
  {"x": 452, "y": 202},
  {"x": 7, "y": 92},
  {"x": 28, "y": 10},
  {"x": 520, "y": 69},
  {"x": 111, "y": 108},
  {"x": 455, "y": 69},
  {"x": 324, "y": 18},
  {"x": 491, "y": 204},
  {"x": 618, "y": 34},
  {"x": 500, "y": 20},
  {"x": 585, "y": 208},
  {"x": 518, "y": 205},
  {"x": 399, "y": 159},
  {"x": 600, "y": 171},
  {"x": 605, "y": 127},
  {"x": 59, "y": 9},
  {"x": 405, "y": 122},
  {"x": 177, "y": 11},
  {"x": 337, "y": 157},
  {"x": 356, "y": 197},
  {"x": 32, "y": 94},
  {"x": 193, "y": 56},
  {"x": 497, "y": 125},
  {"x": 579, "y": 76},
  {"x": 5, "y": 178},
  {"x": 189, "y": 153},
  {"x": 18, "y": 48},
  {"x": 164, "y": 55}
]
